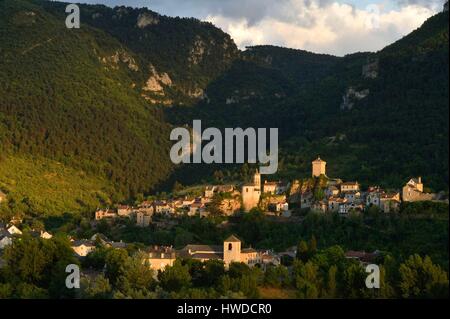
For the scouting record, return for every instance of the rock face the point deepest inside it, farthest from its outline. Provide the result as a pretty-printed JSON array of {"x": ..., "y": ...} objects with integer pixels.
[
  {"x": 145, "y": 19},
  {"x": 156, "y": 81},
  {"x": 25, "y": 18},
  {"x": 351, "y": 96},
  {"x": 121, "y": 56},
  {"x": 370, "y": 70},
  {"x": 196, "y": 93},
  {"x": 229, "y": 206},
  {"x": 197, "y": 51},
  {"x": 155, "y": 86}
]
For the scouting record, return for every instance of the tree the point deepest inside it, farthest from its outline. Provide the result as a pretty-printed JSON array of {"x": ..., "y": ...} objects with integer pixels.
[
  {"x": 218, "y": 176},
  {"x": 137, "y": 275},
  {"x": 6, "y": 291},
  {"x": 98, "y": 288},
  {"x": 177, "y": 186},
  {"x": 213, "y": 271},
  {"x": 307, "y": 281},
  {"x": 37, "y": 225},
  {"x": 37, "y": 261},
  {"x": 312, "y": 245},
  {"x": 302, "y": 251},
  {"x": 238, "y": 270},
  {"x": 175, "y": 278},
  {"x": 116, "y": 261},
  {"x": 331, "y": 283},
  {"x": 319, "y": 194},
  {"x": 29, "y": 291},
  {"x": 386, "y": 290},
  {"x": 26, "y": 260},
  {"x": 355, "y": 281},
  {"x": 276, "y": 276},
  {"x": 97, "y": 258},
  {"x": 420, "y": 278}
]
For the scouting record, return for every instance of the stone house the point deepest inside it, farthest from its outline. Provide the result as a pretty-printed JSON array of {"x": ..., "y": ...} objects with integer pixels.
[
  {"x": 270, "y": 187},
  {"x": 373, "y": 196},
  {"x": 413, "y": 191},
  {"x": 13, "y": 230},
  {"x": 320, "y": 206},
  {"x": 158, "y": 257},
  {"x": 390, "y": 202},
  {"x": 350, "y": 187},
  {"x": 334, "y": 204},
  {"x": 352, "y": 196},
  {"x": 332, "y": 191},
  {"x": 143, "y": 219},
  {"x": 83, "y": 247},
  {"x": 105, "y": 213},
  {"x": 306, "y": 199},
  {"x": 5, "y": 238},
  {"x": 124, "y": 210}
]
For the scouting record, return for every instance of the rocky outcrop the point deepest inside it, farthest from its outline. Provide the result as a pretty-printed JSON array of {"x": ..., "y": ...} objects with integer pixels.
[
  {"x": 155, "y": 101},
  {"x": 25, "y": 18},
  {"x": 351, "y": 96},
  {"x": 156, "y": 81},
  {"x": 153, "y": 90},
  {"x": 197, "y": 51},
  {"x": 121, "y": 56},
  {"x": 120, "y": 12},
  {"x": 240, "y": 96},
  {"x": 229, "y": 206},
  {"x": 370, "y": 70},
  {"x": 146, "y": 19}
]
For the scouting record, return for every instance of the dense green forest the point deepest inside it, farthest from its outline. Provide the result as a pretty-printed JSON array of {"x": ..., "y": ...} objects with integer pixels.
[
  {"x": 399, "y": 130},
  {"x": 74, "y": 102}
]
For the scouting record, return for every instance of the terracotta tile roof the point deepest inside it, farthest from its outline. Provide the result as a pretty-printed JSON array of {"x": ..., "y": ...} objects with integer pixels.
[
  {"x": 207, "y": 256},
  {"x": 233, "y": 238}
]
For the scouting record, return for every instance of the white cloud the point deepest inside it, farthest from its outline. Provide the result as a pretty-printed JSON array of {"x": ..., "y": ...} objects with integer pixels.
[
  {"x": 324, "y": 26},
  {"x": 337, "y": 29}
]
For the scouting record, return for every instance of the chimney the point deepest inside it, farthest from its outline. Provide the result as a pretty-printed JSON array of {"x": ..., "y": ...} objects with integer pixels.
[{"x": 420, "y": 180}]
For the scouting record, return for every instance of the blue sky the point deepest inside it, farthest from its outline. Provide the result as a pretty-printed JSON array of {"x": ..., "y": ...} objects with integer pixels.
[{"x": 325, "y": 26}]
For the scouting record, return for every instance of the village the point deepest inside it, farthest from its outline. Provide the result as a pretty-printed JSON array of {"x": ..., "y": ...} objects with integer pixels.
[{"x": 276, "y": 199}]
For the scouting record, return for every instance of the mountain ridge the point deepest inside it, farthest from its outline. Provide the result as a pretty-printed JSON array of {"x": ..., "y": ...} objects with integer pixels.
[{"x": 102, "y": 100}]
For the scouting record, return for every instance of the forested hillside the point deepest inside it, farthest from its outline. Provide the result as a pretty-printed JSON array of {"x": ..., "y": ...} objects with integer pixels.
[
  {"x": 375, "y": 117},
  {"x": 97, "y": 104},
  {"x": 64, "y": 98}
]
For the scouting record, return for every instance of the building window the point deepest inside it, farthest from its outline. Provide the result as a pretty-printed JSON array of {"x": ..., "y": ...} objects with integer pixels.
[{"x": 230, "y": 246}]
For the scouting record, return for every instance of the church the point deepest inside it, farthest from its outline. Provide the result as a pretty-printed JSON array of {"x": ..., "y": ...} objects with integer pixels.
[
  {"x": 251, "y": 193},
  {"x": 231, "y": 251}
]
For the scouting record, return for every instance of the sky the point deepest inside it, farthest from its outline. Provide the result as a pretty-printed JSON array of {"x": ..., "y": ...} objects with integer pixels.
[{"x": 335, "y": 27}]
